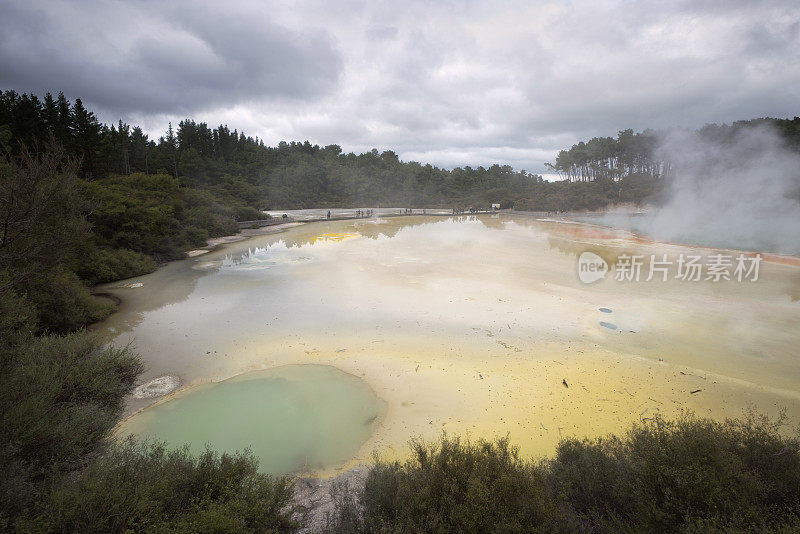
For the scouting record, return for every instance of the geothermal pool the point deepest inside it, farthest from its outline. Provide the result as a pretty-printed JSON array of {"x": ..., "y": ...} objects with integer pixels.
[
  {"x": 292, "y": 417},
  {"x": 320, "y": 344}
]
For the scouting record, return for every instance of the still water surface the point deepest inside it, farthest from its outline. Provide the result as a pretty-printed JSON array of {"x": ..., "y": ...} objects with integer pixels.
[
  {"x": 292, "y": 417},
  {"x": 464, "y": 324}
]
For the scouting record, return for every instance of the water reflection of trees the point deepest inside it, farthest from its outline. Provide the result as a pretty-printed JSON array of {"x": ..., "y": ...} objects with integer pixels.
[
  {"x": 174, "y": 283},
  {"x": 373, "y": 230},
  {"x": 171, "y": 284}
]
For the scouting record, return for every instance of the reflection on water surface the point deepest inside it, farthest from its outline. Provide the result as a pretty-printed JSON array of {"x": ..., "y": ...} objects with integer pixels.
[{"x": 470, "y": 324}]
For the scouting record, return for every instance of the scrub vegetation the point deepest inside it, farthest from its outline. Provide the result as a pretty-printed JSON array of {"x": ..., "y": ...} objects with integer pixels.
[
  {"x": 62, "y": 390},
  {"x": 687, "y": 475},
  {"x": 143, "y": 487}
]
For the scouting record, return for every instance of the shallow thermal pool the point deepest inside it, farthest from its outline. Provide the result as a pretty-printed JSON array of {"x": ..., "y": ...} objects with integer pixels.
[
  {"x": 471, "y": 325},
  {"x": 292, "y": 417}
]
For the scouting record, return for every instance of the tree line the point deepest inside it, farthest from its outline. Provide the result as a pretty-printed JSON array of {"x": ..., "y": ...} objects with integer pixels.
[
  {"x": 289, "y": 175},
  {"x": 150, "y": 200},
  {"x": 636, "y": 154}
]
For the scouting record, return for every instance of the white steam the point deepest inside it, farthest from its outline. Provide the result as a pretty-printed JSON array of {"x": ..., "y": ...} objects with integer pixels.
[{"x": 739, "y": 192}]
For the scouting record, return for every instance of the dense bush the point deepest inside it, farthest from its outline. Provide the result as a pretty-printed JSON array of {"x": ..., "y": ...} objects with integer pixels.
[
  {"x": 691, "y": 473},
  {"x": 594, "y": 195},
  {"x": 154, "y": 215},
  {"x": 450, "y": 486},
  {"x": 457, "y": 486},
  {"x": 18, "y": 319},
  {"x": 44, "y": 227},
  {"x": 688, "y": 475},
  {"x": 144, "y": 487},
  {"x": 63, "y": 302},
  {"x": 107, "y": 265},
  {"x": 60, "y": 396}
]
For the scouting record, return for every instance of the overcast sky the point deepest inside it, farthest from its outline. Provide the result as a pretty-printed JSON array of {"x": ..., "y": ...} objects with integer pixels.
[{"x": 450, "y": 83}]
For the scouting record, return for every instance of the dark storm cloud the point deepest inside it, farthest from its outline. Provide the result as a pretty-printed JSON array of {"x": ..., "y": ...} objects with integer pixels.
[
  {"x": 456, "y": 82},
  {"x": 150, "y": 58}
]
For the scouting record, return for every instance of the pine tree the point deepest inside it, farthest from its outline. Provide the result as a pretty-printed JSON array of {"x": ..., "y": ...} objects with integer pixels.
[
  {"x": 63, "y": 127},
  {"x": 87, "y": 137},
  {"x": 172, "y": 149},
  {"x": 50, "y": 113}
]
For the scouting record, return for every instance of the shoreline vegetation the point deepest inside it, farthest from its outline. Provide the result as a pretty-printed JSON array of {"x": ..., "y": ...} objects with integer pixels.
[
  {"x": 85, "y": 203},
  {"x": 690, "y": 474}
]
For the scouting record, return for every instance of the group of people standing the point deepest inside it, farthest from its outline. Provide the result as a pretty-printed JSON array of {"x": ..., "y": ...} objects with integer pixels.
[
  {"x": 370, "y": 212},
  {"x": 359, "y": 213}
]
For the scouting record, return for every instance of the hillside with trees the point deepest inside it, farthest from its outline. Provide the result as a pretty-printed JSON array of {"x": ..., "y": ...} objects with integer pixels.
[
  {"x": 241, "y": 170},
  {"x": 150, "y": 200},
  {"x": 636, "y": 154}
]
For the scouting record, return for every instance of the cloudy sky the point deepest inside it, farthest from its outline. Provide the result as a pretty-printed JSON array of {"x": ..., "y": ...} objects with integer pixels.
[{"x": 449, "y": 82}]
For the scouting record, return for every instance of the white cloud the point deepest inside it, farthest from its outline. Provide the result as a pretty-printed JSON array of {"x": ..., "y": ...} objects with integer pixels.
[{"x": 448, "y": 83}]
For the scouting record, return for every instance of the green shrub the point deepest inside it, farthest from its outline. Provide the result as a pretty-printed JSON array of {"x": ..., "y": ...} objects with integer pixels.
[
  {"x": 18, "y": 317},
  {"x": 154, "y": 215},
  {"x": 246, "y": 213},
  {"x": 60, "y": 396},
  {"x": 63, "y": 302},
  {"x": 108, "y": 265},
  {"x": 687, "y": 475},
  {"x": 144, "y": 487},
  {"x": 669, "y": 475},
  {"x": 453, "y": 486}
]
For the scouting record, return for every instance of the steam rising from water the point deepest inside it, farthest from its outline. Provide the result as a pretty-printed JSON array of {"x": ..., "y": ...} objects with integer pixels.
[{"x": 742, "y": 192}]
